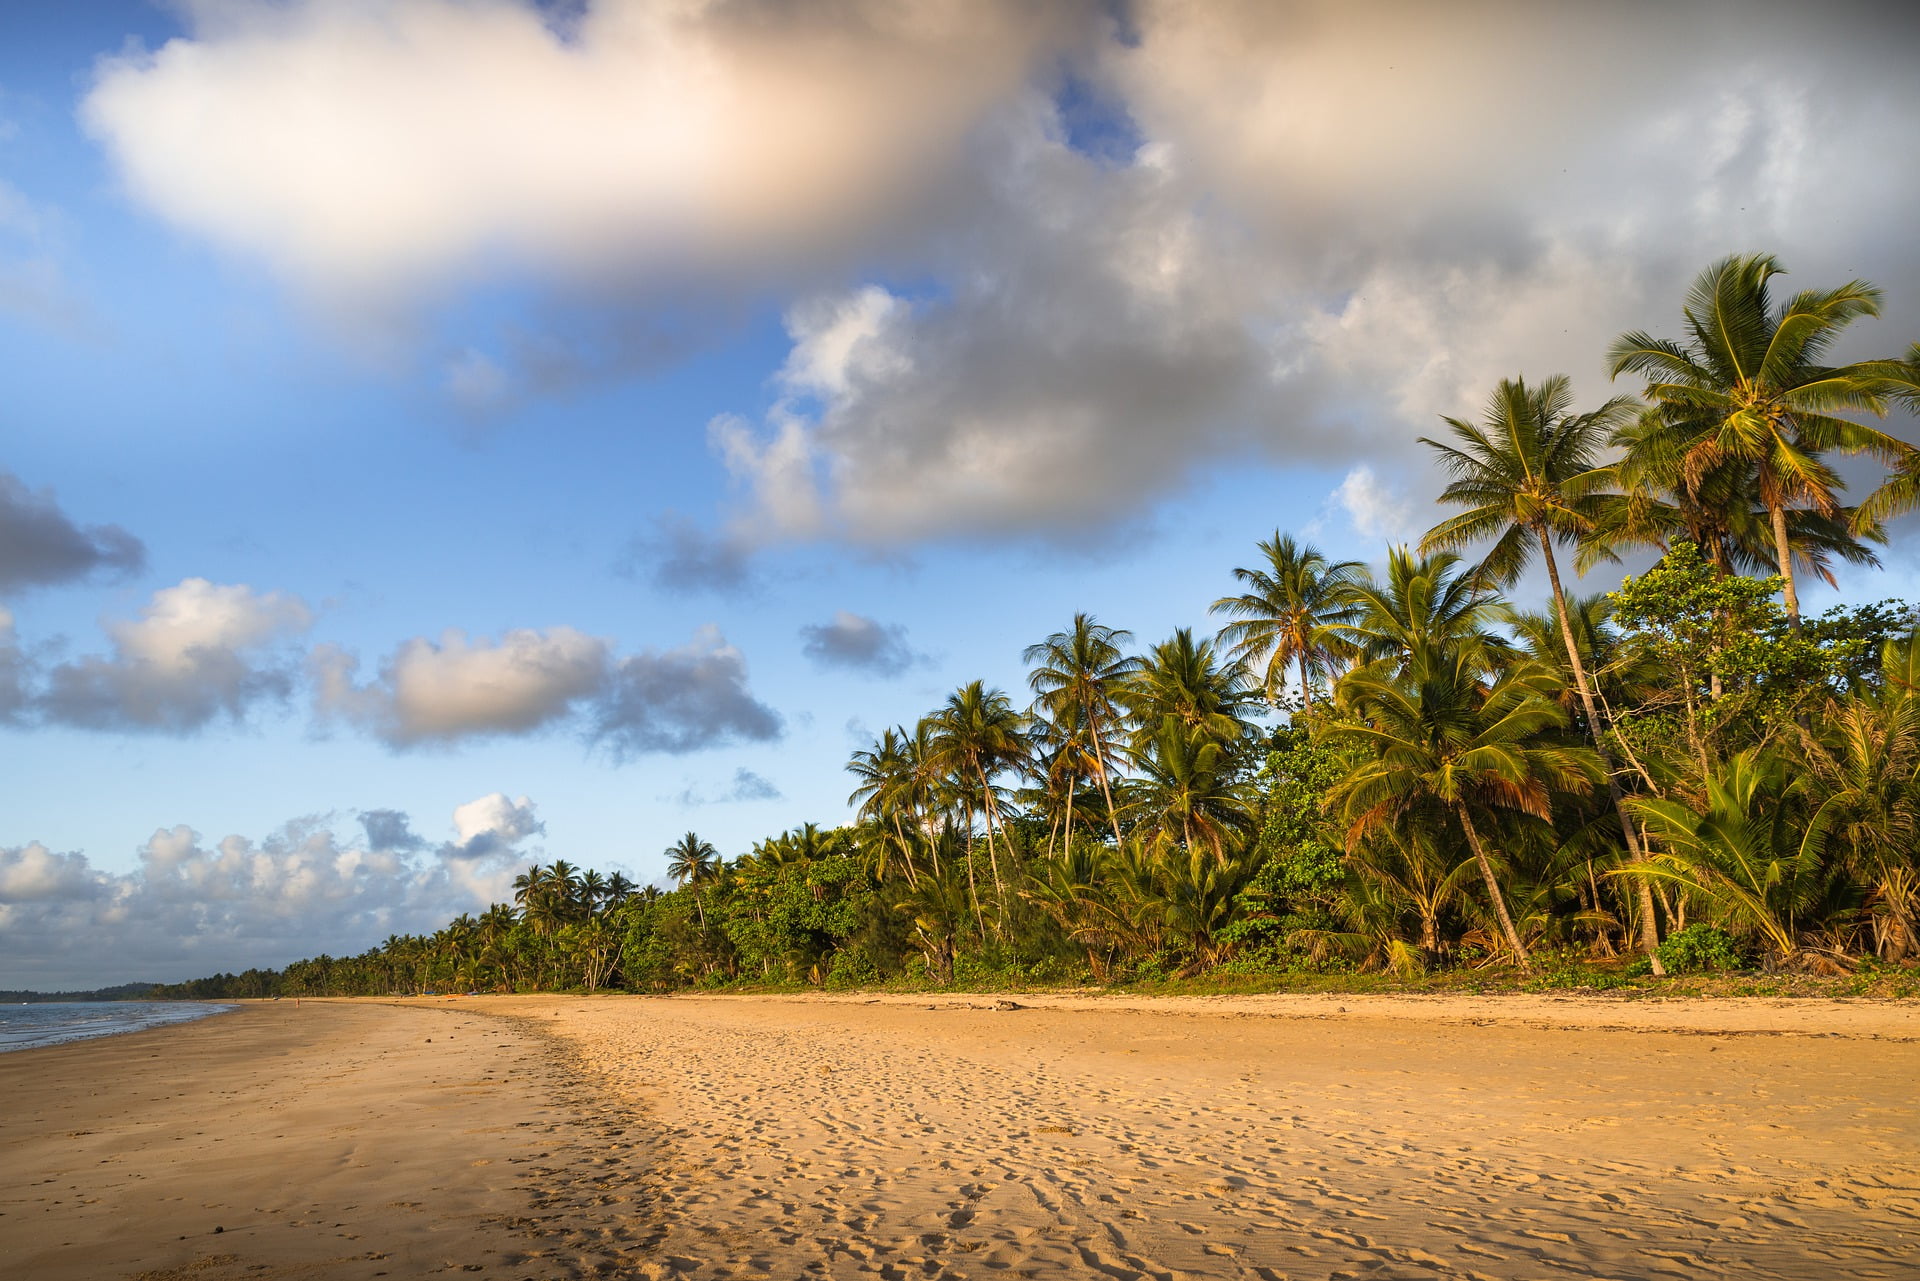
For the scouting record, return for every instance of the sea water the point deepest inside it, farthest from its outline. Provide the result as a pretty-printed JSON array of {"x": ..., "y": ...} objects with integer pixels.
[{"x": 50, "y": 1022}]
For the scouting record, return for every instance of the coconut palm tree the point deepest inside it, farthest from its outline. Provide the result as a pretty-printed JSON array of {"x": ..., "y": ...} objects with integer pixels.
[
  {"x": 1436, "y": 732},
  {"x": 692, "y": 862},
  {"x": 1750, "y": 374},
  {"x": 1526, "y": 475},
  {"x": 1184, "y": 796},
  {"x": 1660, "y": 496},
  {"x": 1282, "y": 618},
  {"x": 885, "y": 774},
  {"x": 1900, "y": 492},
  {"x": 1425, "y": 605},
  {"x": 978, "y": 736},
  {"x": 1079, "y": 680},
  {"x": 1185, "y": 679}
]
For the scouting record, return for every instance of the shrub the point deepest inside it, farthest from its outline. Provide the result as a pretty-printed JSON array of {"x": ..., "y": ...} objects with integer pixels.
[{"x": 1701, "y": 947}]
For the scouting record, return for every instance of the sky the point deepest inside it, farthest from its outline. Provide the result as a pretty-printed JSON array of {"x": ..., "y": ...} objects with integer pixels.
[{"x": 437, "y": 435}]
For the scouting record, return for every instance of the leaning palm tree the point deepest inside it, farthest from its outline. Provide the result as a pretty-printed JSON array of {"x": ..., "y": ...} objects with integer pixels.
[
  {"x": 1750, "y": 374},
  {"x": 1281, "y": 620},
  {"x": 1078, "y": 679},
  {"x": 1436, "y": 733},
  {"x": 693, "y": 862},
  {"x": 1527, "y": 477}
]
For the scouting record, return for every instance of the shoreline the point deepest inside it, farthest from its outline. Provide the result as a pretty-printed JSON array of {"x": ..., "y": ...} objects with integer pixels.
[{"x": 949, "y": 1136}]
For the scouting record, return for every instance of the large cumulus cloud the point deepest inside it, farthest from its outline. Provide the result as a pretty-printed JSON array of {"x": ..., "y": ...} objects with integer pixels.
[
  {"x": 403, "y": 142},
  {"x": 192, "y": 906},
  {"x": 1026, "y": 299}
]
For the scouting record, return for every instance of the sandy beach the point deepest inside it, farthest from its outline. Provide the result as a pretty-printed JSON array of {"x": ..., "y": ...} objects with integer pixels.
[{"x": 1299, "y": 1137}]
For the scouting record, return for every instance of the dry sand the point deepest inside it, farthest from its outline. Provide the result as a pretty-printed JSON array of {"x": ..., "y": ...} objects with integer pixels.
[{"x": 1512, "y": 1137}]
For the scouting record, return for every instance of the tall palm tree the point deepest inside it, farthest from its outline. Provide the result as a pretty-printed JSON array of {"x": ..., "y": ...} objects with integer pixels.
[
  {"x": 885, "y": 774},
  {"x": 1282, "y": 618},
  {"x": 1436, "y": 733},
  {"x": 1526, "y": 475},
  {"x": 979, "y": 736},
  {"x": 1663, "y": 496},
  {"x": 1079, "y": 680},
  {"x": 692, "y": 862},
  {"x": 1750, "y": 373}
]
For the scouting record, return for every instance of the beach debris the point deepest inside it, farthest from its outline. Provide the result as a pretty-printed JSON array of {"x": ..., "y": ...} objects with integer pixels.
[{"x": 1008, "y": 1005}]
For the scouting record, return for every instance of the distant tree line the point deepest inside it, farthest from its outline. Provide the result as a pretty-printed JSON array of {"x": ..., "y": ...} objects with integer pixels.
[
  {"x": 119, "y": 992},
  {"x": 1398, "y": 769}
]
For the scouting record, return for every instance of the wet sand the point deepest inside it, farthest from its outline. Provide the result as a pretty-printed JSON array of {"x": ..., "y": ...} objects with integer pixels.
[
  {"x": 707, "y": 1137},
  {"x": 324, "y": 1140}
]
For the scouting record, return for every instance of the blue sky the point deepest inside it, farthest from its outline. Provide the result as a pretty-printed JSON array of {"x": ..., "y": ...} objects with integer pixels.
[{"x": 428, "y": 346}]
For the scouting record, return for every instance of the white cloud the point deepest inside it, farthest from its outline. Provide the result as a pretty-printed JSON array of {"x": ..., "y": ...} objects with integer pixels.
[
  {"x": 491, "y": 824},
  {"x": 199, "y": 650},
  {"x": 1377, "y": 511},
  {"x": 357, "y": 147},
  {"x": 454, "y": 688},
  {"x": 192, "y": 907}
]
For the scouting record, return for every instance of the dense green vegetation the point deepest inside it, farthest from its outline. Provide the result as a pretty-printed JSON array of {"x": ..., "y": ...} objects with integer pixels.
[{"x": 1399, "y": 772}]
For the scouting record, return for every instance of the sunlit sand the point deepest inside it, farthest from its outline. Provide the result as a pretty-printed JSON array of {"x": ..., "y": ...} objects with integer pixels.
[{"x": 951, "y": 1137}]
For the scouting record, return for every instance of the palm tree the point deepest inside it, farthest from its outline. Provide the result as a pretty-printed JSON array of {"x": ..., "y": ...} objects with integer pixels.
[
  {"x": 1425, "y": 605},
  {"x": 1282, "y": 619},
  {"x": 979, "y": 736},
  {"x": 1079, "y": 679},
  {"x": 1745, "y": 848},
  {"x": 1662, "y": 496},
  {"x": 885, "y": 772},
  {"x": 1436, "y": 733},
  {"x": 1750, "y": 375},
  {"x": 1185, "y": 679},
  {"x": 692, "y": 862},
  {"x": 1900, "y": 492},
  {"x": 1527, "y": 478},
  {"x": 1184, "y": 793}
]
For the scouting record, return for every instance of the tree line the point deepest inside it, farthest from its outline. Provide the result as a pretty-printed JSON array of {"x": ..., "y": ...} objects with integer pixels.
[{"x": 1393, "y": 768}]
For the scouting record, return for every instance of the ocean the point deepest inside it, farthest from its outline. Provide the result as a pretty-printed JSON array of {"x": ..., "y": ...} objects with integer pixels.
[{"x": 23, "y": 1027}]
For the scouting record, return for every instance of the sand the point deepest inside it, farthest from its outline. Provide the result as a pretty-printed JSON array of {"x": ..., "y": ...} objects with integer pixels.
[
  {"x": 324, "y": 1140},
  {"x": 707, "y": 1137}
]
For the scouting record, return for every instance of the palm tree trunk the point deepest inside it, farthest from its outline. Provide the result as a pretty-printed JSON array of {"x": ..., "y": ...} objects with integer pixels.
[
  {"x": 993, "y": 812},
  {"x": 1649, "y": 928},
  {"x": 1066, "y": 849},
  {"x": 1306, "y": 690},
  {"x": 906, "y": 854},
  {"x": 1784, "y": 552},
  {"x": 1100, "y": 759},
  {"x": 1493, "y": 889}
]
